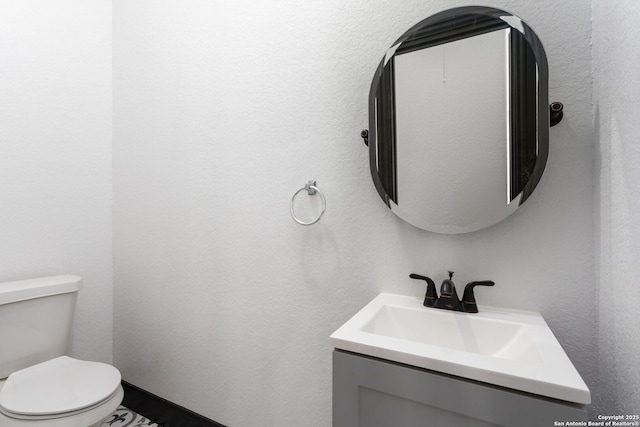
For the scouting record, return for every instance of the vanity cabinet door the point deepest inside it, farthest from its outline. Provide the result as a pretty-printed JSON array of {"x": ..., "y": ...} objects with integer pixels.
[{"x": 376, "y": 393}]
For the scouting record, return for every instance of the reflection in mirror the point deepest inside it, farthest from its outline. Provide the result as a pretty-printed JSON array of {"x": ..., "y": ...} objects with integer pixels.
[{"x": 458, "y": 120}]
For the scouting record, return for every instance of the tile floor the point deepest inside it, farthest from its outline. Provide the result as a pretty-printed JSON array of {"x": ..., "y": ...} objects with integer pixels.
[{"x": 125, "y": 417}]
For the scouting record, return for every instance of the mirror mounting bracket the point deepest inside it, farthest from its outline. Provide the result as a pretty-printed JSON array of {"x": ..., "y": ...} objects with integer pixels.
[
  {"x": 364, "y": 134},
  {"x": 555, "y": 113}
]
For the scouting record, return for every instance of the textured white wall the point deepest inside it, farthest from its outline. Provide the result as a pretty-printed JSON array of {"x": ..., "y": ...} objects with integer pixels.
[
  {"x": 55, "y": 154},
  {"x": 221, "y": 112},
  {"x": 616, "y": 95}
]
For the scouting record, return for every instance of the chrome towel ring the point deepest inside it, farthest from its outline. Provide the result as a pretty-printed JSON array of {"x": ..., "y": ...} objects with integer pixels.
[{"x": 312, "y": 190}]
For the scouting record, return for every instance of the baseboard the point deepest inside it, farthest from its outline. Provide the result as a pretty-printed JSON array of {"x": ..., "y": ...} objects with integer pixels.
[{"x": 161, "y": 411}]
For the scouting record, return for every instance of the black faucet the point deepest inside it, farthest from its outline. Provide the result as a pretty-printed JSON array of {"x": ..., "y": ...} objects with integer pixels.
[{"x": 449, "y": 297}]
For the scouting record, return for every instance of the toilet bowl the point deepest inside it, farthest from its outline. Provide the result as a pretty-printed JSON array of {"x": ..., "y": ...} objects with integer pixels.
[{"x": 40, "y": 385}]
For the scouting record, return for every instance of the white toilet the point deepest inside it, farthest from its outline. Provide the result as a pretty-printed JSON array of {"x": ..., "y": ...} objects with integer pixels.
[{"x": 39, "y": 385}]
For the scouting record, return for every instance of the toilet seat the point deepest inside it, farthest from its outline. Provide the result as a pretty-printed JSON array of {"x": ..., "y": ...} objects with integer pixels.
[
  {"x": 50, "y": 417},
  {"x": 89, "y": 417},
  {"x": 59, "y": 387}
]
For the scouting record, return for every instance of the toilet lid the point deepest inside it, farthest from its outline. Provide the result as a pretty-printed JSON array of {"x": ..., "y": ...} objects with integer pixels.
[{"x": 58, "y": 385}]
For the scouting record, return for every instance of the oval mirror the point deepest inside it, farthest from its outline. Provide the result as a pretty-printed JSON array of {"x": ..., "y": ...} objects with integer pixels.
[{"x": 459, "y": 120}]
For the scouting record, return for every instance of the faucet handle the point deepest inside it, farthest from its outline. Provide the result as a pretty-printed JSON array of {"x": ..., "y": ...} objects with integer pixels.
[
  {"x": 430, "y": 296},
  {"x": 469, "y": 299}
]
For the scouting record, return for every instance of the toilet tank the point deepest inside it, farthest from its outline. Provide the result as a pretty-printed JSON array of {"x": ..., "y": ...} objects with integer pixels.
[{"x": 35, "y": 320}]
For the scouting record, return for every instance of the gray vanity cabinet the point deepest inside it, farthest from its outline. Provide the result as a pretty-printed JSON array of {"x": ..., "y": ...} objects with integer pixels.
[{"x": 370, "y": 392}]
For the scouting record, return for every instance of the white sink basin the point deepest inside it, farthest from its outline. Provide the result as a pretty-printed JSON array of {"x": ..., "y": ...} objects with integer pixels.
[{"x": 509, "y": 348}]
